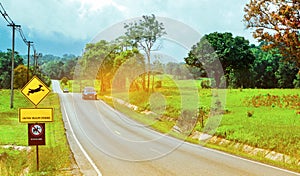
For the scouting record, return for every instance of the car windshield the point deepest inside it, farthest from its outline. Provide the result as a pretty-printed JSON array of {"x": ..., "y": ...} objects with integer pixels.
[{"x": 89, "y": 89}]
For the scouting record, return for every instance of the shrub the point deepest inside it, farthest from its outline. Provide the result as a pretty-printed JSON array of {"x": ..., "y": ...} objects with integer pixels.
[
  {"x": 158, "y": 84},
  {"x": 205, "y": 84},
  {"x": 64, "y": 80},
  {"x": 297, "y": 81},
  {"x": 250, "y": 113},
  {"x": 187, "y": 121}
]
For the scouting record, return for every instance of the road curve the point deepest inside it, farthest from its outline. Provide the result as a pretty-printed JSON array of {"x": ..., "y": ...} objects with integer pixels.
[{"x": 115, "y": 145}]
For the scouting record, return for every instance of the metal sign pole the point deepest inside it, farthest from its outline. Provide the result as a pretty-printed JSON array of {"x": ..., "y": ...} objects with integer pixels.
[{"x": 37, "y": 158}]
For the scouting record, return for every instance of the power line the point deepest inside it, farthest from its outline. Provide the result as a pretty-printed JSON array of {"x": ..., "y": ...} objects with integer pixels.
[
  {"x": 22, "y": 35},
  {"x": 5, "y": 15},
  {"x": 11, "y": 23},
  {"x": 16, "y": 27}
]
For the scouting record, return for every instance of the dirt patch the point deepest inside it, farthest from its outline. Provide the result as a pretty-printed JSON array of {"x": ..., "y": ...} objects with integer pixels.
[{"x": 16, "y": 147}]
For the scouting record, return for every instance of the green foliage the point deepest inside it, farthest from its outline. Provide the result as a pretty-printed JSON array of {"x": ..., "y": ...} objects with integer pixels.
[
  {"x": 56, "y": 67},
  {"x": 64, "y": 80},
  {"x": 20, "y": 75},
  {"x": 187, "y": 121},
  {"x": 272, "y": 111},
  {"x": 97, "y": 62},
  {"x": 205, "y": 84},
  {"x": 144, "y": 34},
  {"x": 13, "y": 162},
  {"x": 270, "y": 70},
  {"x": 158, "y": 84},
  {"x": 297, "y": 81},
  {"x": 141, "y": 98},
  {"x": 286, "y": 74},
  {"x": 243, "y": 65},
  {"x": 111, "y": 66},
  {"x": 127, "y": 65},
  {"x": 54, "y": 156},
  {"x": 5, "y": 67},
  {"x": 233, "y": 54},
  {"x": 183, "y": 71}
]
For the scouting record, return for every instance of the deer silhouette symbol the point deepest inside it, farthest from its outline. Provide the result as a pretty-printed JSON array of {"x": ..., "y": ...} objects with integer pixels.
[{"x": 32, "y": 91}]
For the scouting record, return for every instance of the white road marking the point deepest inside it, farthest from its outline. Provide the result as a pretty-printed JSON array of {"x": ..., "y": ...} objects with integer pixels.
[
  {"x": 238, "y": 157},
  {"x": 117, "y": 132},
  {"x": 154, "y": 150},
  {"x": 80, "y": 146}
]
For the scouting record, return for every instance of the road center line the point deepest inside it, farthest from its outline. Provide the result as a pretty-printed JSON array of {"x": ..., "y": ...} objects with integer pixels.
[
  {"x": 154, "y": 150},
  {"x": 117, "y": 132}
]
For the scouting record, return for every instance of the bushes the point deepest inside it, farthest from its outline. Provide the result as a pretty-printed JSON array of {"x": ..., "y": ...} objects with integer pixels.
[
  {"x": 158, "y": 84},
  {"x": 187, "y": 121},
  {"x": 297, "y": 81},
  {"x": 205, "y": 84},
  {"x": 64, "y": 80},
  {"x": 268, "y": 100}
]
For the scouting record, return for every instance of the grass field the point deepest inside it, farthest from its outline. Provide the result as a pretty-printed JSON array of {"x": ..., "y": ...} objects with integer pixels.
[
  {"x": 262, "y": 118},
  {"x": 268, "y": 119},
  {"x": 55, "y": 158}
]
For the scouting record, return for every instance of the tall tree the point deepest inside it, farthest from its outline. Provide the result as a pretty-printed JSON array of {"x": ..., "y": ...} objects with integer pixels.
[
  {"x": 5, "y": 67},
  {"x": 69, "y": 67},
  {"x": 97, "y": 63},
  {"x": 144, "y": 34},
  {"x": 271, "y": 71},
  {"x": 128, "y": 65},
  {"x": 265, "y": 66},
  {"x": 233, "y": 53},
  {"x": 277, "y": 22}
]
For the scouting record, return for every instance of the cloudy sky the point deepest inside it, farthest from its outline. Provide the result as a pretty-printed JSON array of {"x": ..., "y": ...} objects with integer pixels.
[{"x": 65, "y": 26}]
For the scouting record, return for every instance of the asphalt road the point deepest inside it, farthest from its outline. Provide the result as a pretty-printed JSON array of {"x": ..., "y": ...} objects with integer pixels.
[{"x": 105, "y": 142}]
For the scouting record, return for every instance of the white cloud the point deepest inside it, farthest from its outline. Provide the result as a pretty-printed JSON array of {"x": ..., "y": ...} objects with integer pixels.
[
  {"x": 93, "y": 6},
  {"x": 83, "y": 19},
  {"x": 76, "y": 19}
]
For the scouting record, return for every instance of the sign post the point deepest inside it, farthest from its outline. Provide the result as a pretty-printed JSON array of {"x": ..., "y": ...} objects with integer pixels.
[
  {"x": 36, "y": 136},
  {"x": 35, "y": 90}
]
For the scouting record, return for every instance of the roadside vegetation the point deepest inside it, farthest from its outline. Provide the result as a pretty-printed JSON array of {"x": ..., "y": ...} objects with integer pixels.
[
  {"x": 16, "y": 157},
  {"x": 267, "y": 119}
]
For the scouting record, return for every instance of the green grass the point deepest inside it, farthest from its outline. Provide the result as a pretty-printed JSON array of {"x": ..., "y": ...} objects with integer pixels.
[
  {"x": 271, "y": 126},
  {"x": 55, "y": 157}
]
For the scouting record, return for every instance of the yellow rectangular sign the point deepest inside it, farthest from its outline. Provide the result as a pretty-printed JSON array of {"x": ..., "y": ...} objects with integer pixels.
[{"x": 29, "y": 115}]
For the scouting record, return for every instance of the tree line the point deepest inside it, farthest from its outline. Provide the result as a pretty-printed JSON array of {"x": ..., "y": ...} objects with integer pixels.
[
  {"x": 273, "y": 64},
  {"x": 242, "y": 64},
  {"x": 48, "y": 67}
]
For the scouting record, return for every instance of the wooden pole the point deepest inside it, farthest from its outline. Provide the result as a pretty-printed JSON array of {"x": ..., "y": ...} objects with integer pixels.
[
  {"x": 37, "y": 158},
  {"x": 28, "y": 43},
  {"x": 12, "y": 64}
]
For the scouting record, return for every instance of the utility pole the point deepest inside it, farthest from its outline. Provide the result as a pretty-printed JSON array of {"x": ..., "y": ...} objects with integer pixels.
[
  {"x": 14, "y": 26},
  {"x": 28, "y": 44},
  {"x": 34, "y": 63}
]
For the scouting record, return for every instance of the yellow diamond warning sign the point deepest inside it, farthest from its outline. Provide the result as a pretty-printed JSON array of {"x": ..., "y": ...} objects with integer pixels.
[{"x": 35, "y": 90}]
